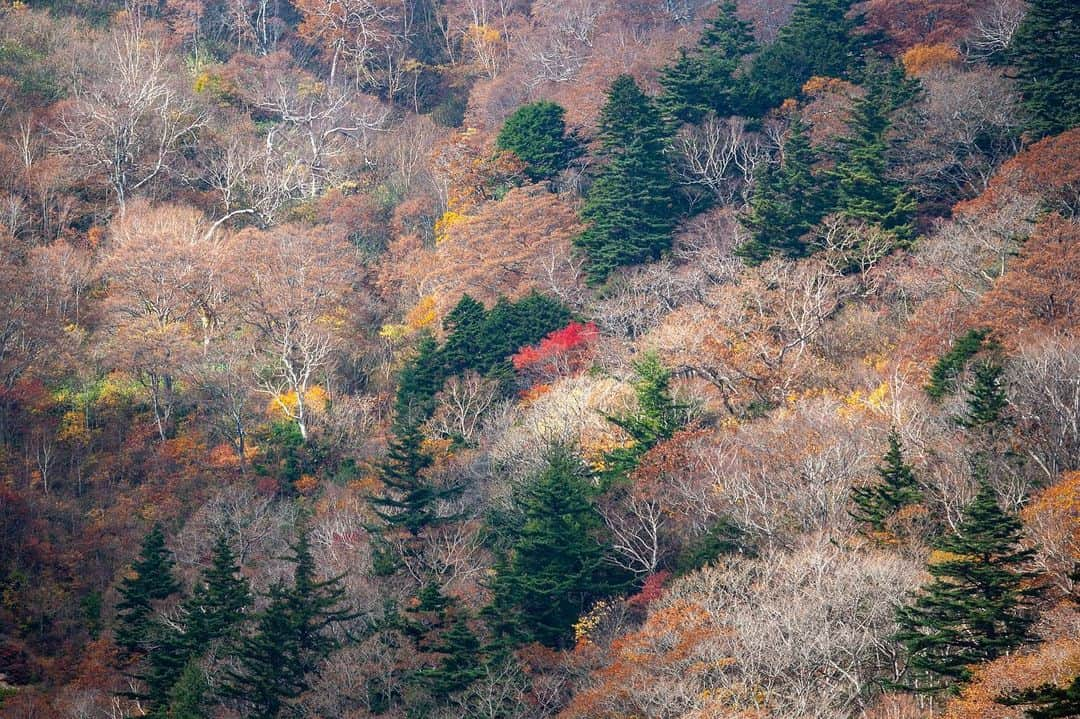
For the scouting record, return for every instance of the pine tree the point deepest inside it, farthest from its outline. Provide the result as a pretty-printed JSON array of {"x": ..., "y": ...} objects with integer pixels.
[
  {"x": 704, "y": 80},
  {"x": 631, "y": 207},
  {"x": 986, "y": 400},
  {"x": 788, "y": 201},
  {"x": 1045, "y": 50},
  {"x": 460, "y": 664},
  {"x": 1049, "y": 701},
  {"x": 863, "y": 189},
  {"x": 897, "y": 488},
  {"x": 978, "y": 605},
  {"x": 151, "y": 580},
  {"x": 536, "y": 133},
  {"x": 818, "y": 40},
  {"x": 554, "y": 569},
  {"x": 218, "y": 604},
  {"x": 412, "y": 499},
  {"x": 291, "y": 637}
]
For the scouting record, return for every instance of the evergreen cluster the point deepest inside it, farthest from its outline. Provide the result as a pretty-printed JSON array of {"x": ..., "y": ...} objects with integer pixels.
[
  {"x": 1045, "y": 50},
  {"x": 276, "y": 650},
  {"x": 948, "y": 367},
  {"x": 897, "y": 488}
]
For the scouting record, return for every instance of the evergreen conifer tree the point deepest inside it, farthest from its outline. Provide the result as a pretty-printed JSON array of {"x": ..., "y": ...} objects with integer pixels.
[
  {"x": 412, "y": 499},
  {"x": 704, "y": 79},
  {"x": 290, "y": 638},
  {"x": 897, "y": 488},
  {"x": 460, "y": 664},
  {"x": 863, "y": 189},
  {"x": 978, "y": 605},
  {"x": 949, "y": 366},
  {"x": 986, "y": 400},
  {"x": 818, "y": 40},
  {"x": 787, "y": 202},
  {"x": 1045, "y": 50},
  {"x": 631, "y": 207},
  {"x": 536, "y": 133},
  {"x": 464, "y": 327},
  {"x": 658, "y": 417},
  {"x": 419, "y": 381},
  {"x": 187, "y": 696},
  {"x": 554, "y": 569},
  {"x": 151, "y": 580}
]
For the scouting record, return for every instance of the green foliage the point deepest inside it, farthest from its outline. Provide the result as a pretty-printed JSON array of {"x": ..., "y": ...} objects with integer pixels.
[
  {"x": 658, "y": 417},
  {"x": 863, "y": 189},
  {"x": 897, "y": 488},
  {"x": 555, "y": 567},
  {"x": 1044, "y": 52},
  {"x": 1048, "y": 701},
  {"x": 949, "y": 366},
  {"x": 419, "y": 381},
  {"x": 978, "y": 605},
  {"x": 818, "y": 40},
  {"x": 151, "y": 580},
  {"x": 290, "y": 639},
  {"x": 536, "y": 133},
  {"x": 412, "y": 500},
  {"x": 986, "y": 400},
  {"x": 704, "y": 79},
  {"x": 723, "y": 537},
  {"x": 631, "y": 207},
  {"x": 188, "y": 695},
  {"x": 788, "y": 201}
]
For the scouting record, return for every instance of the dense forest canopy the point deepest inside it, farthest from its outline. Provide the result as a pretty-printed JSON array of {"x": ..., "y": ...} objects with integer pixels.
[{"x": 510, "y": 359}]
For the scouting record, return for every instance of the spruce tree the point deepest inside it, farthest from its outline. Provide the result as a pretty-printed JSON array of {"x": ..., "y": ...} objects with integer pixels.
[
  {"x": 536, "y": 133},
  {"x": 151, "y": 580},
  {"x": 554, "y": 568},
  {"x": 460, "y": 664},
  {"x": 187, "y": 696},
  {"x": 658, "y": 417},
  {"x": 631, "y": 207},
  {"x": 291, "y": 637},
  {"x": 1045, "y": 50},
  {"x": 978, "y": 605},
  {"x": 986, "y": 400},
  {"x": 818, "y": 40},
  {"x": 411, "y": 501},
  {"x": 896, "y": 489},
  {"x": 464, "y": 327},
  {"x": 863, "y": 189},
  {"x": 419, "y": 381},
  {"x": 949, "y": 366},
  {"x": 788, "y": 201},
  {"x": 210, "y": 615},
  {"x": 704, "y": 79}
]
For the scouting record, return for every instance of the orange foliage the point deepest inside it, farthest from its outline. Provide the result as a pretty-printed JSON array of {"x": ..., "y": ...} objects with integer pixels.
[
  {"x": 923, "y": 59},
  {"x": 1041, "y": 291},
  {"x": 906, "y": 23},
  {"x": 1052, "y": 520}
]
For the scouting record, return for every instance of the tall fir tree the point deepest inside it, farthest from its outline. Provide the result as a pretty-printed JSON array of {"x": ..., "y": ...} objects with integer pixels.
[
  {"x": 292, "y": 636},
  {"x": 986, "y": 398},
  {"x": 188, "y": 696},
  {"x": 554, "y": 568},
  {"x": 464, "y": 326},
  {"x": 1045, "y": 51},
  {"x": 820, "y": 39},
  {"x": 979, "y": 604},
  {"x": 418, "y": 382},
  {"x": 411, "y": 501},
  {"x": 631, "y": 207},
  {"x": 949, "y": 366},
  {"x": 864, "y": 191},
  {"x": 704, "y": 79},
  {"x": 788, "y": 201},
  {"x": 151, "y": 580},
  {"x": 536, "y": 133},
  {"x": 896, "y": 488}
]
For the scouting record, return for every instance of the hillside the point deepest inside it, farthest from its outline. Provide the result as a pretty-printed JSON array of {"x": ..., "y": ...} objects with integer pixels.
[{"x": 510, "y": 359}]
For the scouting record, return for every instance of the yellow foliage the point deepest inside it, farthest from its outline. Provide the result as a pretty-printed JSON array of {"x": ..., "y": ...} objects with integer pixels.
[
  {"x": 858, "y": 402},
  {"x": 422, "y": 315},
  {"x": 448, "y": 220},
  {"x": 73, "y": 428},
  {"x": 484, "y": 34},
  {"x": 922, "y": 58},
  {"x": 393, "y": 333},
  {"x": 306, "y": 484},
  {"x": 284, "y": 406}
]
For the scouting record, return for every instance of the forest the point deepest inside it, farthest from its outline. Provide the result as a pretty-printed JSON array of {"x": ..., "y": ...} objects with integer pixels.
[{"x": 526, "y": 359}]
